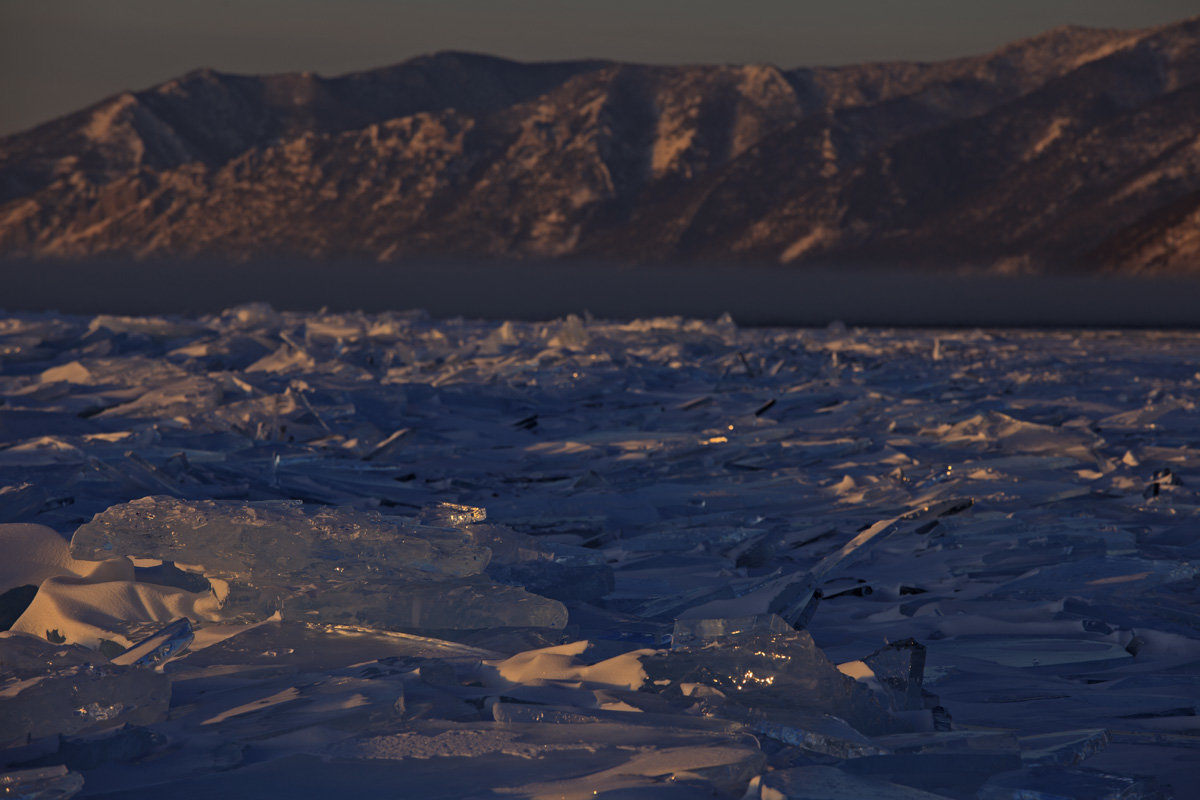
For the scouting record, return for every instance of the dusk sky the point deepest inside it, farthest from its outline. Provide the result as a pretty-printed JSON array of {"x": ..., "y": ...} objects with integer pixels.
[{"x": 60, "y": 55}]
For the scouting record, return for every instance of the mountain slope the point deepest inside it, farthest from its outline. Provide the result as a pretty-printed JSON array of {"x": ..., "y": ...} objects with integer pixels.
[
  {"x": 1073, "y": 149},
  {"x": 210, "y": 117}
]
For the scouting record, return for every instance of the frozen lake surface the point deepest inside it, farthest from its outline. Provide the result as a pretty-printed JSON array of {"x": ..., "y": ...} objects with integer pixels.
[{"x": 661, "y": 558}]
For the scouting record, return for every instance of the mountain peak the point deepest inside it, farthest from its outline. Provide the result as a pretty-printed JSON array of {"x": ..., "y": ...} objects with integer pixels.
[{"x": 1067, "y": 149}]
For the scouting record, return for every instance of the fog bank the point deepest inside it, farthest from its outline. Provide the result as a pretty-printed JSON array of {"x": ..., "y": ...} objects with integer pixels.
[{"x": 502, "y": 290}]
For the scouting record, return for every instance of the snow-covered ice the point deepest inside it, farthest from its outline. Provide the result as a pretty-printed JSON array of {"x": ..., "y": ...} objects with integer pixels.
[{"x": 292, "y": 554}]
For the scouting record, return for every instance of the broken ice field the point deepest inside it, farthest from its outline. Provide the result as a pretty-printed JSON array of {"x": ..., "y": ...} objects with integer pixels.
[{"x": 268, "y": 553}]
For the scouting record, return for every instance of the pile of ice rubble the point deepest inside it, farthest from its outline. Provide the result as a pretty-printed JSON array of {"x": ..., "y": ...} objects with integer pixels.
[{"x": 713, "y": 562}]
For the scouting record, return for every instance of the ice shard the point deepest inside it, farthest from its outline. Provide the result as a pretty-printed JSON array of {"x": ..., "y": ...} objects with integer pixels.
[
  {"x": 48, "y": 689},
  {"x": 40, "y": 783},
  {"x": 770, "y": 672},
  {"x": 900, "y": 668},
  {"x": 161, "y": 647}
]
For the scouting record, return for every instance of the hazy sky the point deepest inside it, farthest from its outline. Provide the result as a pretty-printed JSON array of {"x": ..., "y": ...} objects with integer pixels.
[{"x": 59, "y": 55}]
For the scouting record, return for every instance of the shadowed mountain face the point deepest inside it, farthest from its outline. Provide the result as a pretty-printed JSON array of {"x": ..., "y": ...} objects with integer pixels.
[{"x": 1076, "y": 149}]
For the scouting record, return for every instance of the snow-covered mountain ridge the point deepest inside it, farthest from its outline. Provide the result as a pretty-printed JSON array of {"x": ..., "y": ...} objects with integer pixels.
[{"x": 1075, "y": 149}]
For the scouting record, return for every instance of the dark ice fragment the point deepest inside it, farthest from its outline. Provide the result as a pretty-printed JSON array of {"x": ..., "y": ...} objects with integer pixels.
[
  {"x": 956, "y": 774},
  {"x": 13, "y": 604}
]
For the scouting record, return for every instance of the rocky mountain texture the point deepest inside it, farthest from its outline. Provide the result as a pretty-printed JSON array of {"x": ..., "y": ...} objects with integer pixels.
[{"x": 1076, "y": 149}]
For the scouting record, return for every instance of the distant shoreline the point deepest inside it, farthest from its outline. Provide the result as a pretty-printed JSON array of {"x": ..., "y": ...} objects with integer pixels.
[{"x": 753, "y": 295}]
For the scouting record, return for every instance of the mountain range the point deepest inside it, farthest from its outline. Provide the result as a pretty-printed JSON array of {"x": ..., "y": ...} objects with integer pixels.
[{"x": 1075, "y": 150}]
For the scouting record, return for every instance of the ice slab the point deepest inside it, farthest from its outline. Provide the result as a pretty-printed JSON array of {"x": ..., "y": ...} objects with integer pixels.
[
  {"x": 48, "y": 689},
  {"x": 254, "y": 541},
  {"x": 335, "y": 566}
]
